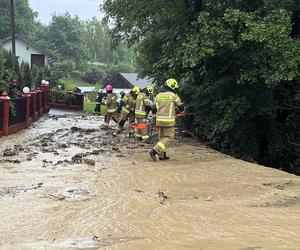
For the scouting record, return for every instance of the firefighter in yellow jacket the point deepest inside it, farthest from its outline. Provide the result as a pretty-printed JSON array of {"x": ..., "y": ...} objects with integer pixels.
[
  {"x": 142, "y": 108},
  {"x": 166, "y": 105},
  {"x": 127, "y": 112},
  {"x": 111, "y": 105}
]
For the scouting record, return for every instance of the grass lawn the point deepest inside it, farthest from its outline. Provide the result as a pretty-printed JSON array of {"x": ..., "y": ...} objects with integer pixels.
[{"x": 90, "y": 106}]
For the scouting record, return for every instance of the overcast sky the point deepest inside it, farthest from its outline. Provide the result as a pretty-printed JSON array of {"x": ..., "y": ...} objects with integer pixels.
[{"x": 85, "y": 9}]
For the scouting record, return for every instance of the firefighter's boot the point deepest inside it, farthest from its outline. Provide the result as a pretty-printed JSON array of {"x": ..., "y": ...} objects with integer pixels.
[
  {"x": 164, "y": 157},
  {"x": 153, "y": 154},
  {"x": 105, "y": 126}
]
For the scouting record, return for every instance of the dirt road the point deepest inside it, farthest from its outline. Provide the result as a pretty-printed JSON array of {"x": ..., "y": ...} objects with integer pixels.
[{"x": 65, "y": 184}]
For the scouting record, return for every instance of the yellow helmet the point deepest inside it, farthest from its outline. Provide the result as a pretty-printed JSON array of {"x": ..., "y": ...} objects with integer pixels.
[
  {"x": 172, "y": 83},
  {"x": 136, "y": 90},
  {"x": 150, "y": 89}
]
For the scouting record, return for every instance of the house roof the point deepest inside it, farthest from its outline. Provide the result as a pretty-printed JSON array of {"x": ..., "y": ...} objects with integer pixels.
[
  {"x": 7, "y": 39},
  {"x": 86, "y": 89},
  {"x": 134, "y": 80}
]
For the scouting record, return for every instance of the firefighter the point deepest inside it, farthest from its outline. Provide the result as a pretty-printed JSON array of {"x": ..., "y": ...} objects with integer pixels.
[
  {"x": 142, "y": 108},
  {"x": 127, "y": 112},
  {"x": 150, "y": 92},
  {"x": 100, "y": 95},
  {"x": 120, "y": 103},
  {"x": 111, "y": 107},
  {"x": 166, "y": 104}
]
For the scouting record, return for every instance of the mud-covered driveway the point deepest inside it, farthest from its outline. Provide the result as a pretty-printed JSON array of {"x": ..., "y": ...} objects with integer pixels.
[{"x": 65, "y": 184}]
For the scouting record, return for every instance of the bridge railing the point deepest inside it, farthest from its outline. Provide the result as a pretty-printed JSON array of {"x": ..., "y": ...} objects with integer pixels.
[{"x": 18, "y": 113}]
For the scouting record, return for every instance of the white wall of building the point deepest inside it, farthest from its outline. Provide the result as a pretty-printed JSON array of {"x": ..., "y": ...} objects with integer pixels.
[{"x": 24, "y": 51}]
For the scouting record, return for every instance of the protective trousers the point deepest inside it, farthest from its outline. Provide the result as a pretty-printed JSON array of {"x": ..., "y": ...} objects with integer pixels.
[
  {"x": 108, "y": 117},
  {"x": 97, "y": 108},
  {"x": 124, "y": 117},
  {"x": 166, "y": 138},
  {"x": 142, "y": 133}
]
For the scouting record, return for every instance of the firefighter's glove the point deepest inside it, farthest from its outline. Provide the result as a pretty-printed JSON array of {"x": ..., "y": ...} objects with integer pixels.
[{"x": 181, "y": 114}]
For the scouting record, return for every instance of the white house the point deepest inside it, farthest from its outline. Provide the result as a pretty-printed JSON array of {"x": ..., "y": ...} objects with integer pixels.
[{"x": 27, "y": 51}]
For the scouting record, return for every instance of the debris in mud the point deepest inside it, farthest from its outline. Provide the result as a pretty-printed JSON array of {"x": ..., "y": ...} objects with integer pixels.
[
  {"x": 10, "y": 152},
  {"x": 45, "y": 161},
  {"x": 161, "y": 197},
  {"x": 78, "y": 191},
  {"x": 75, "y": 129},
  {"x": 63, "y": 145},
  {"x": 71, "y": 193},
  {"x": 121, "y": 156},
  {"x": 78, "y": 158},
  {"x": 209, "y": 198},
  {"x": 65, "y": 161},
  {"x": 138, "y": 191},
  {"x": 89, "y": 162},
  {"x": 288, "y": 201},
  {"x": 96, "y": 152},
  {"x": 115, "y": 149},
  {"x": 11, "y": 161},
  {"x": 94, "y": 242},
  {"x": 279, "y": 186},
  {"x": 18, "y": 147},
  {"x": 86, "y": 131},
  {"x": 59, "y": 197},
  {"x": 13, "y": 191}
]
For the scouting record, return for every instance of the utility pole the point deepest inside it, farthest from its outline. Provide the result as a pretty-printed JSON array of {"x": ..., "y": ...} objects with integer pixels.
[{"x": 13, "y": 27}]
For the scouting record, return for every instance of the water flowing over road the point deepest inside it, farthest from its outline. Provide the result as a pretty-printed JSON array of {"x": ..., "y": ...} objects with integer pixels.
[{"x": 66, "y": 184}]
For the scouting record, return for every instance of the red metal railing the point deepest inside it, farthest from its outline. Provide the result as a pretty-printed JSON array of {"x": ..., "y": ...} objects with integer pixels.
[{"x": 18, "y": 113}]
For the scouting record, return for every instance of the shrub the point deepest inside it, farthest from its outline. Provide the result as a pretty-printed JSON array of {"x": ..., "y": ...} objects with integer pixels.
[
  {"x": 94, "y": 75},
  {"x": 25, "y": 75},
  {"x": 60, "y": 70}
]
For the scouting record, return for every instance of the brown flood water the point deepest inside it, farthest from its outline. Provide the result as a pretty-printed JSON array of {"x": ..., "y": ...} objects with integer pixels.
[{"x": 69, "y": 185}]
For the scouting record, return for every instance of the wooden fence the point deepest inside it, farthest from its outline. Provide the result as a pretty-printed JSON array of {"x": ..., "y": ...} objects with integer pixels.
[{"x": 18, "y": 113}]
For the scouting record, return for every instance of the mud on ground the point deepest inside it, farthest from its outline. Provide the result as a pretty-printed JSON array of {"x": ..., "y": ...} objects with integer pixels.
[{"x": 66, "y": 184}]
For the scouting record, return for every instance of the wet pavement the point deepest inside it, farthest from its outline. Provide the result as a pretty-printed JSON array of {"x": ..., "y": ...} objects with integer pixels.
[{"x": 67, "y": 184}]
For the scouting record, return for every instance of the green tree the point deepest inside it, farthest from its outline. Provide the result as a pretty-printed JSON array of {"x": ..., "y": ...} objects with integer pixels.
[
  {"x": 25, "y": 75},
  {"x": 238, "y": 65},
  {"x": 101, "y": 47},
  {"x": 24, "y": 15},
  {"x": 66, "y": 39}
]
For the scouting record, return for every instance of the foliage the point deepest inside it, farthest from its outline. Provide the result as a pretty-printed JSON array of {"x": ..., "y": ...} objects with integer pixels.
[
  {"x": 25, "y": 74},
  {"x": 101, "y": 47},
  {"x": 37, "y": 75},
  {"x": 24, "y": 18},
  {"x": 94, "y": 75},
  {"x": 121, "y": 67},
  {"x": 60, "y": 70},
  {"x": 238, "y": 65},
  {"x": 67, "y": 84},
  {"x": 66, "y": 39},
  {"x": 61, "y": 96}
]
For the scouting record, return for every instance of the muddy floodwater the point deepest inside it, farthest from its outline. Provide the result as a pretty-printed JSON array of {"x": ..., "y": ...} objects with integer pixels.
[{"x": 66, "y": 184}]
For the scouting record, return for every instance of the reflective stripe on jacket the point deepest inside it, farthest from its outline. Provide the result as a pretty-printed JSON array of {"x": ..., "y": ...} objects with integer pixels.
[
  {"x": 166, "y": 103},
  {"x": 129, "y": 103},
  {"x": 111, "y": 103},
  {"x": 142, "y": 101}
]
